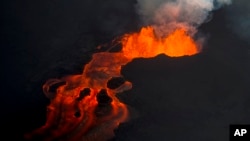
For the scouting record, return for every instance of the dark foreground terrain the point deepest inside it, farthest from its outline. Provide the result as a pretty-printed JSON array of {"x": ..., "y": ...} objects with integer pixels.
[{"x": 188, "y": 98}]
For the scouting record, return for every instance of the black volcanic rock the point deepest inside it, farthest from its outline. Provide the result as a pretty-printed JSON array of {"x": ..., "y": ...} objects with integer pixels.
[
  {"x": 54, "y": 87},
  {"x": 115, "y": 82},
  {"x": 77, "y": 114},
  {"x": 83, "y": 93},
  {"x": 103, "y": 99}
]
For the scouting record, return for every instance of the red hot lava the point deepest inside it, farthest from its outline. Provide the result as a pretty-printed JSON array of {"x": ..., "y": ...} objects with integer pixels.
[{"x": 83, "y": 107}]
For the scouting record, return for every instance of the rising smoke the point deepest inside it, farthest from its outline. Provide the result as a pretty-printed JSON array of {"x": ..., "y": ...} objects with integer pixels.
[
  {"x": 238, "y": 18},
  {"x": 168, "y": 15}
]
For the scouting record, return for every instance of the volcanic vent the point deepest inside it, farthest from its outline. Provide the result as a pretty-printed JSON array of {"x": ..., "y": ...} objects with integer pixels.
[{"x": 85, "y": 106}]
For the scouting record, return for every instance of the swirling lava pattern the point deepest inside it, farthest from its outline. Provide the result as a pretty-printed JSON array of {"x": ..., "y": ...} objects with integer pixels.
[{"x": 83, "y": 107}]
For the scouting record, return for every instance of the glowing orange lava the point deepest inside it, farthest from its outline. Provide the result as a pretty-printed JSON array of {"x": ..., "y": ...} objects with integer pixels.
[
  {"x": 145, "y": 44},
  {"x": 83, "y": 107}
]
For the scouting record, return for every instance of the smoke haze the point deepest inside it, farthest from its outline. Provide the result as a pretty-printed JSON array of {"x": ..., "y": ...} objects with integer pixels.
[
  {"x": 238, "y": 18},
  {"x": 167, "y": 15},
  {"x": 202, "y": 94}
]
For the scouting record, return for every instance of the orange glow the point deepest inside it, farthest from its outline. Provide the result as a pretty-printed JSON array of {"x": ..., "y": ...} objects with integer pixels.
[
  {"x": 72, "y": 116},
  {"x": 146, "y": 45}
]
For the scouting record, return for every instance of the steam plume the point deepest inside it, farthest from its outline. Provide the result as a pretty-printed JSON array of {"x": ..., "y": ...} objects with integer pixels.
[
  {"x": 238, "y": 18},
  {"x": 167, "y": 15}
]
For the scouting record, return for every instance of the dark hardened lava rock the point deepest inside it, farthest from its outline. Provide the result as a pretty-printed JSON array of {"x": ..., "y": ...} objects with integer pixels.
[
  {"x": 103, "y": 99},
  {"x": 54, "y": 87},
  {"x": 85, "y": 92},
  {"x": 115, "y": 82},
  {"x": 104, "y": 104}
]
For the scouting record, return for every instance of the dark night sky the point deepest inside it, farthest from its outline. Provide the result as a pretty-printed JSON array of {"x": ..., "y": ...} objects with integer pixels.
[{"x": 191, "y": 98}]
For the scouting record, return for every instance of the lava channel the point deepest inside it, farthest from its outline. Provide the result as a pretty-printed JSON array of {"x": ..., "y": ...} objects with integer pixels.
[{"x": 85, "y": 107}]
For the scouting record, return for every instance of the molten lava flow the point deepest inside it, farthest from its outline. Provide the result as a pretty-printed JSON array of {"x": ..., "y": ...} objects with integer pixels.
[
  {"x": 83, "y": 107},
  {"x": 145, "y": 44}
]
